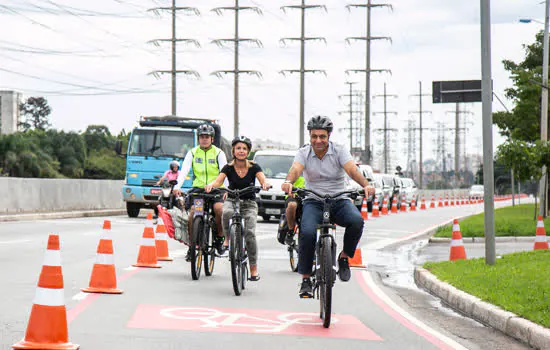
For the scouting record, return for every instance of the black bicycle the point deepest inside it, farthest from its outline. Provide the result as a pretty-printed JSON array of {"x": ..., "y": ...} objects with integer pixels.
[
  {"x": 238, "y": 256},
  {"x": 324, "y": 267},
  {"x": 289, "y": 237},
  {"x": 204, "y": 232}
]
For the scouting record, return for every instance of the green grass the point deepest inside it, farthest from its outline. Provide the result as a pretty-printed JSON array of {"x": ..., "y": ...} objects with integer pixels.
[
  {"x": 518, "y": 282},
  {"x": 509, "y": 221}
]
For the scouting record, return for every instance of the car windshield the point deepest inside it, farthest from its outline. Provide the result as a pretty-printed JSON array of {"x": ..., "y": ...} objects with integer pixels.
[
  {"x": 274, "y": 166},
  {"x": 160, "y": 143},
  {"x": 477, "y": 188}
]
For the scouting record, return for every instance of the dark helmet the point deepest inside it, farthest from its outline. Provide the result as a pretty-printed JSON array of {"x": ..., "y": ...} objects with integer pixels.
[
  {"x": 174, "y": 163},
  {"x": 320, "y": 122},
  {"x": 206, "y": 129},
  {"x": 242, "y": 139}
]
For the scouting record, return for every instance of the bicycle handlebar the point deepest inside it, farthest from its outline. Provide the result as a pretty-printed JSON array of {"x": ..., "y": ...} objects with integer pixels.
[
  {"x": 202, "y": 193},
  {"x": 353, "y": 193},
  {"x": 236, "y": 194}
]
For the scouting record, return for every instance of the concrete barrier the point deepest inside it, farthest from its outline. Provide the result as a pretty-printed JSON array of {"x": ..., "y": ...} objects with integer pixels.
[{"x": 22, "y": 195}]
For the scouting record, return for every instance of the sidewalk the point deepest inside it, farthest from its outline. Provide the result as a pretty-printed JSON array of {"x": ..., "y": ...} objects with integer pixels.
[{"x": 61, "y": 215}]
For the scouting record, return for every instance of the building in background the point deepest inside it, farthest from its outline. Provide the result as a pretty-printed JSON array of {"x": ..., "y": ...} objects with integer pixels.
[{"x": 9, "y": 111}]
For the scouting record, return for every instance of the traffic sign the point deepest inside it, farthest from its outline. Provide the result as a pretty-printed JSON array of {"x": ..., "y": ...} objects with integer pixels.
[{"x": 456, "y": 91}]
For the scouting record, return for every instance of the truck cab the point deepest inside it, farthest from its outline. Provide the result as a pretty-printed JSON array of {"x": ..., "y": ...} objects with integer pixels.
[{"x": 152, "y": 146}]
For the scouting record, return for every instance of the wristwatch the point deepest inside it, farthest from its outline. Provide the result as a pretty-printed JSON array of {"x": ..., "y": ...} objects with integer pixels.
[{"x": 287, "y": 182}]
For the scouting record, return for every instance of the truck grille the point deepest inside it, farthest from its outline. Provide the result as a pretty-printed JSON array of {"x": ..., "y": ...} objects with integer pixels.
[
  {"x": 151, "y": 198},
  {"x": 148, "y": 183},
  {"x": 272, "y": 197}
]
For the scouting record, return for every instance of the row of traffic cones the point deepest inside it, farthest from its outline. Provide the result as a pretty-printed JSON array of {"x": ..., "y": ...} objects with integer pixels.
[{"x": 47, "y": 326}]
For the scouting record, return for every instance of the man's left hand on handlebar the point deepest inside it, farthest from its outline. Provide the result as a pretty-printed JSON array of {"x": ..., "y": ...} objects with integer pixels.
[{"x": 369, "y": 190}]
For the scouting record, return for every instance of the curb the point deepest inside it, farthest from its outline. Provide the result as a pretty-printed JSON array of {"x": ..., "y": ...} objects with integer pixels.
[
  {"x": 482, "y": 239},
  {"x": 509, "y": 323},
  {"x": 62, "y": 215}
]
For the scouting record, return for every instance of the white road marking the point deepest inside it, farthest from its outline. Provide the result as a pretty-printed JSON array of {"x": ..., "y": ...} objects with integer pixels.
[
  {"x": 16, "y": 241},
  {"x": 80, "y": 296},
  {"x": 130, "y": 268}
]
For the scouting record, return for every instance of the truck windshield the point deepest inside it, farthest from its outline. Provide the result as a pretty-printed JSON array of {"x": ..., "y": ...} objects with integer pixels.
[
  {"x": 161, "y": 143},
  {"x": 274, "y": 166}
]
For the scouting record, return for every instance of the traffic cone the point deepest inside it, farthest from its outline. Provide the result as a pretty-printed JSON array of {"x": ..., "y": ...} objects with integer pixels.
[
  {"x": 432, "y": 202},
  {"x": 147, "y": 256},
  {"x": 375, "y": 208},
  {"x": 423, "y": 204},
  {"x": 103, "y": 279},
  {"x": 540, "y": 238},
  {"x": 47, "y": 327},
  {"x": 457, "y": 246},
  {"x": 413, "y": 204},
  {"x": 446, "y": 200},
  {"x": 452, "y": 197},
  {"x": 463, "y": 200},
  {"x": 364, "y": 210},
  {"x": 385, "y": 206},
  {"x": 161, "y": 242},
  {"x": 357, "y": 260},
  {"x": 440, "y": 204},
  {"x": 403, "y": 203},
  {"x": 394, "y": 205}
]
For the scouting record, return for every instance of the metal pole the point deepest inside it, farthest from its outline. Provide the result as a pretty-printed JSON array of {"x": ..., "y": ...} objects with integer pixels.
[
  {"x": 457, "y": 142},
  {"x": 367, "y": 89},
  {"x": 544, "y": 107},
  {"x": 420, "y": 170},
  {"x": 350, "y": 117},
  {"x": 513, "y": 190},
  {"x": 302, "y": 72},
  {"x": 488, "y": 171},
  {"x": 174, "y": 110},
  {"x": 236, "y": 76},
  {"x": 385, "y": 133}
]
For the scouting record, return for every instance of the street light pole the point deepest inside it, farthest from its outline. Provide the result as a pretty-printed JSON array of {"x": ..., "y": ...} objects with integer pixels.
[{"x": 544, "y": 106}]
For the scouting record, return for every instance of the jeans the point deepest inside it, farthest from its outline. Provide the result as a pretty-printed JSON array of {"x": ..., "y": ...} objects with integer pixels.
[
  {"x": 343, "y": 213},
  {"x": 249, "y": 211}
]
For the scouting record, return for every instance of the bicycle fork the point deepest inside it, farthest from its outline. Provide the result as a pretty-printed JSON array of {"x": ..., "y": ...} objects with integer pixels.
[{"x": 324, "y": 230}]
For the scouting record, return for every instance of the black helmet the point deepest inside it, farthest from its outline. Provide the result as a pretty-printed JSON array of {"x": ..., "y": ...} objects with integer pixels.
[
  {"x": 242, "y": 139},
  {"x": 206, "y": 129},
  {"x": 320, "y": 122},
  {"x": 174, "y": 163}
]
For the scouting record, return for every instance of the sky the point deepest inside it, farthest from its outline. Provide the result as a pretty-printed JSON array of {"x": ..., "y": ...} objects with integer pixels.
[{"x": 92, "y": 61}]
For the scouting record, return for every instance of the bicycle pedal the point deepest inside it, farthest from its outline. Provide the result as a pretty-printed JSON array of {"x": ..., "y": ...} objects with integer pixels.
[{"x": 306, "y": 296}]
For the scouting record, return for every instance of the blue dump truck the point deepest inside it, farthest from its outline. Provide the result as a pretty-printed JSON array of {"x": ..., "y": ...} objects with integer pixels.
[{"x": 152, "y": 146}]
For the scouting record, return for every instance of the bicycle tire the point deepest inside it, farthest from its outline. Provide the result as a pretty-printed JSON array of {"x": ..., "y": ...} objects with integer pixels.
[
  {"x": 195, "y": 249},
  {"x": 234, "y": 258},
  {"x": 209, "y": 255},
  {"x": 293, "y": 253},
  {"x": 326, "y": 280}
]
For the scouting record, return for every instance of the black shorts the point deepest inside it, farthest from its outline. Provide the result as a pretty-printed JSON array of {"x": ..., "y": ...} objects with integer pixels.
[
  {"x": 197, "y": 189},
  {"x": 295, "y": 200}
]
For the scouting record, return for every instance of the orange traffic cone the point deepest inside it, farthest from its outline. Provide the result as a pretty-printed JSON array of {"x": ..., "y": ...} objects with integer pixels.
[
  {"x": 375, "y": 208},
  {"x": 385, "y": 206},
  {"x": 432, "y": 202},
  {"x": 540, "y": 238},
  {"x": 463, "y": 202},
  {"x": 403, "y": 203},
  {"x": 446, "y": 200},
  {"x": 364, "y": 210},
  {"x": 423, "y": 204},
  {"x": 103, "y": 279},
  {"x": 452, "y": 200},
  {"x": 147, "y": 256},
  {"x": 413, "y": 204},
  {"x": 457, "y": 246},
  {"x": 394, "y": 205},
  {"x": 47, "y": 327},
  {"x": 357, "y": 260},
  {"x": 161, "y": 242},
  {"x": 440, "y": 203}
]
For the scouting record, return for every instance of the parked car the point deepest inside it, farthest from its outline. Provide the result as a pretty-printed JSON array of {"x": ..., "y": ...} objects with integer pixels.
[
  {"x": 409, "y": 189},
  {"x": 378, "y": 189},
  {"x": 392, "y": 186},
  {"x": 352, "y": 185},
  {"x": 476, "y": 191}
]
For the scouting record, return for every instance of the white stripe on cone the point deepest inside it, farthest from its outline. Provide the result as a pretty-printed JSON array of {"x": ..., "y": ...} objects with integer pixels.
[
  {"x": 456, "y": 242},
  {"x": 105, "y": 259},
  {"x": 49, "y": 297},
  {"x": 162, "y": 236},
  {"x": 540, "y": 224},
  {"x": 106, "y": 234},
  {"x": 456, "y": 228},
  {"x": 52, "y": 258},
  {"x": 148, "y": 242},
  {"x": 149, "y": 223},
  {"x": 540, "y": 238}
]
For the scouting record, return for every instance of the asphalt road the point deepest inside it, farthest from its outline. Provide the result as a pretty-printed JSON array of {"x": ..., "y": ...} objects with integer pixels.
[{"x": 380, "y": 308}]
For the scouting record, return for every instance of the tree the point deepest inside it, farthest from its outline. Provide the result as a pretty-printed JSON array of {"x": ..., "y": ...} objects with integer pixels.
[
  {"x": 523, "y": 122},
  {"x": 98, "y": 137},
  {"x": 36, "y": 112}
]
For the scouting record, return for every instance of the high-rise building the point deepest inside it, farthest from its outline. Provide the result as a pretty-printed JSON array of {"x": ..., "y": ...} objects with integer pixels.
[{"x": 9, "y": 111}]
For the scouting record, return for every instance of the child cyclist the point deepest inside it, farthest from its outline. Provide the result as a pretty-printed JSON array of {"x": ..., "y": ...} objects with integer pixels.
[{"x": 171, "y": 174}]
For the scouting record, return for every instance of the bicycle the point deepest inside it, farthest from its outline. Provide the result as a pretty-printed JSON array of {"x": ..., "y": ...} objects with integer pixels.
[
  {"x": 237, "y": 248},
  {"x": 324, "y": 267},
  {"x": 290, "y": 239},
  {"x": 202, "y": 246}
]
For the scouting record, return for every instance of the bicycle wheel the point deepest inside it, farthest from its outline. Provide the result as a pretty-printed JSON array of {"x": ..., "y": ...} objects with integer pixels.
[
  {"x": 209, "y": 250},
  {"x": 244, "y": 262},
  {"x": 293, "y": 254},
  {"x": 234, "y": 257},
  {"x": 326, "y": 280},
  {"x": 195, "y": 249}
]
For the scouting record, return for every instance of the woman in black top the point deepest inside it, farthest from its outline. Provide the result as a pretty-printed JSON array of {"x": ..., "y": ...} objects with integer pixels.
[{"x": 241, "y": 173}]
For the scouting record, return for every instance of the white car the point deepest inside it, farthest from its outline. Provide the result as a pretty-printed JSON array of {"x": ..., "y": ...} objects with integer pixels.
[
  {"x": 409, "y": 189},
  {"x": 476, "y": 191}
]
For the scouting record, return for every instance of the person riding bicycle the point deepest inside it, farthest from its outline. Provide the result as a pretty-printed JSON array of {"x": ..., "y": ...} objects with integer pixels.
[
  {"x": 324, "y": 165},
  {"x": 293, "y": 209},
  {"x": 242, "y": 173},
  {"x": 206, "y": 160},
  {"x": 171, "y": 174}
]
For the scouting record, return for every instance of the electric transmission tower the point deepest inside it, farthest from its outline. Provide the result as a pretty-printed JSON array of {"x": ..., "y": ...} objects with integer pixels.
[
  {"x": 236, "y": 40},
  {"x": 367, "y": 38},
  {"x": 386, "y": 130},
  {"x": 352, "y": 112},
  {"x": 410, "y": 141},
  {"x": 303, "y": 7},
  {"x": 421, "y": 129},
  {"x": 174, "y": 71},
  {"x": 457, "y": 112}
]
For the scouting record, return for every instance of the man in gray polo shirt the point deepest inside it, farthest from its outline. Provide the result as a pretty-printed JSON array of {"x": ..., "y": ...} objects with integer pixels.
[{"x": 324, "y": 166}]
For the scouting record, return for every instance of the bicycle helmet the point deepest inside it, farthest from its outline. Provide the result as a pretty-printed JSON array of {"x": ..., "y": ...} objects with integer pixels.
[
  {"x": 174, "y": 163},
  {"x": 320, "y": 122},
  {"x": 206, "y": 129},
  {"x": 242, "y": 139}
]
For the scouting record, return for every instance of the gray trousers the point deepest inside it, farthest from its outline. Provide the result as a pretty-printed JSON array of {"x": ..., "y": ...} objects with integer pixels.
[{"x": 249, "y": 211}]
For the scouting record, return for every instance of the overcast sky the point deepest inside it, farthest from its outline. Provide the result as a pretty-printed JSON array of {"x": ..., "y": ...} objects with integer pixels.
[{"x": 86, "y": 58}]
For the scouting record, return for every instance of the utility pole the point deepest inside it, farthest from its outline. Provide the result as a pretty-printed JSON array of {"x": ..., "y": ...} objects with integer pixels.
[
  {"x": 410, "y": 141},
  {"x": 351, "y": 114},
  {"x": 368, "y": 38},
  {"x": 386, "y": 129},
  {"x": 457, "y": 112},
  {"x": 236, "y": 40},
  {"x": 303, "y": 7},
  {"x": 420, "y": 113},
  {"x": 544, "y": 109},
  {"x": 174, "y": 71}
]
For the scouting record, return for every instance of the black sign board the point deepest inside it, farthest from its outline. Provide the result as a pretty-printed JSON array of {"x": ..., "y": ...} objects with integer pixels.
[{"x": 456, "y": 91}]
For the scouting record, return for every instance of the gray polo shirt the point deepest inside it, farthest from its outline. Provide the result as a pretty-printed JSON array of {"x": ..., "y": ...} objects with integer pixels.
[{"x": 326, "y": 175}]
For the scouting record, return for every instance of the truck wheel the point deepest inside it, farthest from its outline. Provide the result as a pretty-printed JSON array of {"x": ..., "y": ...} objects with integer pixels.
[
  {"x": 132, "y": 209},
  {"x": 266, "y": 217}
]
